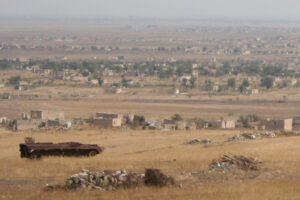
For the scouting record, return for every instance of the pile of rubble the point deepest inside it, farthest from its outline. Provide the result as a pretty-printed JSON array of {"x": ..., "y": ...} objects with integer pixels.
[
  {"x": 112, "y": 180},
  {"x": 251, "y": 136},
  {"x": 104, "y": 180},
  {"x": 229, "y": 162},
  {"x": 204, "y": 141}
]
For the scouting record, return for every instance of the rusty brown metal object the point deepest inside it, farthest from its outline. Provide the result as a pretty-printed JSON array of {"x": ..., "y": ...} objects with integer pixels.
[{"x": 37, "y": 150}]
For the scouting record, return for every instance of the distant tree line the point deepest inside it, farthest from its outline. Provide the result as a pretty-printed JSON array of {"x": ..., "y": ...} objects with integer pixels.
[{"x": 163, "y": 70}]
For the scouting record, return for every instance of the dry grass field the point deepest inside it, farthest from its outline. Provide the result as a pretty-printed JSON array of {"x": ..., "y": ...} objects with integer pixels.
[
  {"x": 125, "y": 36},
  {"x": 135, "y": 150},
  {"x": 83, "y": 101},
  {"x": 166, "y": 150}
]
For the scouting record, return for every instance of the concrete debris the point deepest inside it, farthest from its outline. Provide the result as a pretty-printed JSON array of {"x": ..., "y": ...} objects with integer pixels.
[
  {"x": 104, "y": 180},
  {"x": 268, "y": 135},
  {"x": 204, "y": 141},
  {"x": 229, "y": 162},
  {"x": 112, "y": 180},
  {"x": 251, "y": 136}
]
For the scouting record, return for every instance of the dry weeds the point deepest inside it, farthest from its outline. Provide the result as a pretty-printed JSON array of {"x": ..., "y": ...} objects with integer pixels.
[{"x": 137, "y": 150}]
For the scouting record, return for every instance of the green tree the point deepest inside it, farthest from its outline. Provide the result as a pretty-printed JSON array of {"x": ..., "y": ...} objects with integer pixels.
[
  {"x": 245, "y": 83},
  {"x": 85, "y": 73},
  {"x": 125, "y": 82},
  {"x": 241, "y": 88},
  {"x": 193, "y": 82},
  {"x": 272, "y": 71},
  {"x": 184, "y": 82},
  {"x": 15, "y": 80},
  {"x": 176, "y": 117},
  {"x": 208, "y": 84},
  {"x": 139, "y": 120},
  {"x": 100, "y": 81},
  {"x": 94, "y": 48},
  {"x": 267, "y": 82},
  {"x": 244, "y": 121},
  {"x": 225, "y": 69},
  {"x": 231, "y": 82}
]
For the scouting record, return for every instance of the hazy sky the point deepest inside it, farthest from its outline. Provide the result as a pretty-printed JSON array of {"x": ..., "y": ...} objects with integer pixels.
[{"x": 238, "y": 9}]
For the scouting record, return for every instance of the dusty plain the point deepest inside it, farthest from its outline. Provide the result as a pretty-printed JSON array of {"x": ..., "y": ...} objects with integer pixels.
[{"x": 139, "y": 149}]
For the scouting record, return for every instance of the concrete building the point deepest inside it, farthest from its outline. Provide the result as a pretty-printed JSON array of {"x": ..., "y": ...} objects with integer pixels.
[
  {"x": 26, "y": 125},
  {"x": 25, "y": 116},
  {"x": 226, "y": 124},
  {"x": 296, "y": 123},
  {"x": 191, "y": 126},
  {"x": 181, "y": 125},
  {"x": 129, "y": 118},
  {"x": 215, "y": 88},
  {"x": 3, "y": 120},
  {"x": 23, "y": 85},
  {"x": 93, "y": 82},
  {"x": 169, "y": 124},
  {"x": 223, "y": 124},
  {"x": 279, "y": 124},
  {"x": 53, "y": 123},
  {"x": 108, "y": 123},
  {"x": 250, "y": 91},
  {"x": 108, "y": 120},
  {"x": 6, "y": 96},
  {"x": 47, "y": 115}
]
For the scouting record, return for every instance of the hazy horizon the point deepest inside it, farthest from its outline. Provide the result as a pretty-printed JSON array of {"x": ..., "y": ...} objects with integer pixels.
[{"x": 155, "y": 9}]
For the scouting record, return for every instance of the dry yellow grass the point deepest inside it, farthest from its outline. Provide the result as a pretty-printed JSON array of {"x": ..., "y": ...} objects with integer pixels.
[
  {"x": 86, "y": 101},
  {"x": 137, "y": 150}
]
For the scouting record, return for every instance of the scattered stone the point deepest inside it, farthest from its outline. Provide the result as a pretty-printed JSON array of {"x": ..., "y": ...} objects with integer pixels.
[
  {"x": 268, "y": 135},
  {"x": 251, "y": 136},
  {"x": 112, "y": 180},
  {"x": 104, "y": 180},
  {"x": 193, "y": 141},
  {"x": 204, "y": 141},
  {"x": 229, "y": 162},
  {"x": 207, "y": 141}
]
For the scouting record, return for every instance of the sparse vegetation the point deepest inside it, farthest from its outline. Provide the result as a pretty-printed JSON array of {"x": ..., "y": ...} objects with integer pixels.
[
  {"x": 267, "y": 82},
  {"x": 15, "y": 80},
  {"x": 231, "y": 82},
  {"x": 176, "y": 117},
  {"x": 204, "y": 74}
]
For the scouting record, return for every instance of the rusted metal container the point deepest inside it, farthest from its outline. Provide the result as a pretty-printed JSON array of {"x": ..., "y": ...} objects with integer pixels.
[{"x": 36, "y": 150}]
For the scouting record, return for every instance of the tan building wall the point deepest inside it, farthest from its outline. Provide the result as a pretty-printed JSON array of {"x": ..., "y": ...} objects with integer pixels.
[
  {"x": 296, "y": 123},
  {"x": 170, "y": 126},
  {"x": 227, "y": 124},
  {"x": 26, "y": 125},
  {"x": 224, "y": 124},
  {"x": 181, "y": 125},
  {"x": 279, "y": 124},
  {"x": 108, "y": 123},
  {"x": 192, "y": 126},
  {"x": 46, "y": 114}
]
